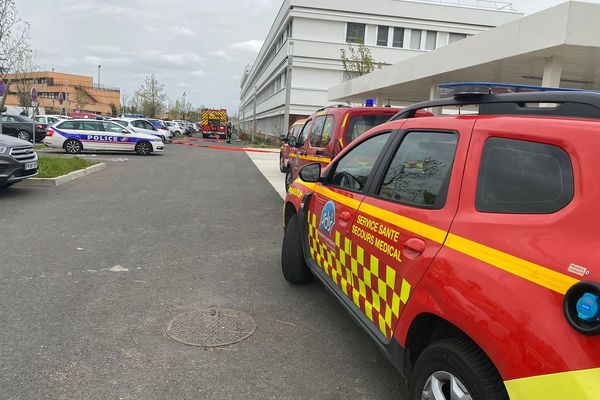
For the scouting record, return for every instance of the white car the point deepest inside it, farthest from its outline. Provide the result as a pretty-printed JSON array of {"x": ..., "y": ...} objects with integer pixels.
[
  {"x": 177, "y": 128},
  {"x": 77, "y": 135},
  {"x": 143, "y": 126},
  {"x": 50, "y": 119}
]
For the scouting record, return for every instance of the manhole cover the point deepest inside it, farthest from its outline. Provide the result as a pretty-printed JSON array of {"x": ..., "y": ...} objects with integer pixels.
[{"x": 212, "y": 327}]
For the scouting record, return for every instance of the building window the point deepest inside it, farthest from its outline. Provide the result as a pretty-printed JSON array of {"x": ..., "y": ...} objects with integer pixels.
[
  {"x": 398, "y": 40},
  {"x": 455, "y": 37},
  {"x": 415, "y": 39},
  {"x": 431, "y": 40},
  {"x": 382, "y": 35},
  {"x": 355, "y": 33}
]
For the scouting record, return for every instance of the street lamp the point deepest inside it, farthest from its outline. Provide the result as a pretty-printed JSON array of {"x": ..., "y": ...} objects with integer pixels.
[
  {"x": 99, "y": 66},
  {"x": 183, "y": 107}
]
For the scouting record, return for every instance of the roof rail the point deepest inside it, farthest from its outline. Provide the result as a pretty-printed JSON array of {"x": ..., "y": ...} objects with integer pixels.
[
  {"x": 336, "y": 106},
  {"x": 578, "y": 104},
  {"x": 482, "y": 88}
]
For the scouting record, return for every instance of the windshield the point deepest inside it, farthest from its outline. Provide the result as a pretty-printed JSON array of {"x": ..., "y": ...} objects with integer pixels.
[{"x": 359, "y": 124}]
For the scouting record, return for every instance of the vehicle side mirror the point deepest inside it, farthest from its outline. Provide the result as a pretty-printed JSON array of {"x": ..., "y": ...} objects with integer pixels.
[
  {"x": 293, "y": 142},
  {"x": 310, "y": 173},
  {"x": 125, "y": 131},
  {"x": 283, "y": 138}
]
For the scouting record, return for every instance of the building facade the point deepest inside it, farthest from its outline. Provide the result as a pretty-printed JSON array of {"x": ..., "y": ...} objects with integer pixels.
[
  {"x": 300, "y": 59},
  {"x": 81, "y": 94}
]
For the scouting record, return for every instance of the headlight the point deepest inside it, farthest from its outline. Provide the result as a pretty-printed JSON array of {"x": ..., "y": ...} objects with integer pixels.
[
  {"x": 582, "y": 308},
  {"x": 3, "y": 150}
]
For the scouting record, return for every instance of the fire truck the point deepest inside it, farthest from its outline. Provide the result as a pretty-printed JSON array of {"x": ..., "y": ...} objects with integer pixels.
[{"x": 214, "y": 123}]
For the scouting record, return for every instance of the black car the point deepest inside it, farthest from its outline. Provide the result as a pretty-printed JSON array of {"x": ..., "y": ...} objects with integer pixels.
[
  {"x": 21, "y": 127},
  {"x": 18, "y": 161}
]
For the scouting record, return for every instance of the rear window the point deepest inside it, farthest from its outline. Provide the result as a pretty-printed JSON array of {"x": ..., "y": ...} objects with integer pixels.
[
  {"x": 359, "y": 124},
  {"x": 521, "y": 177}
]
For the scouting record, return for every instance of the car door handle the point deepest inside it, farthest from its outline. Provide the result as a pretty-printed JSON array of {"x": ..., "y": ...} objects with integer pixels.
[{"x": 413, "y": 248}]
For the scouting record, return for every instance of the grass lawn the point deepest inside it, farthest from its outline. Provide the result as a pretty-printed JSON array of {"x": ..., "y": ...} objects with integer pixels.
[{"x": 52, "y": 167}]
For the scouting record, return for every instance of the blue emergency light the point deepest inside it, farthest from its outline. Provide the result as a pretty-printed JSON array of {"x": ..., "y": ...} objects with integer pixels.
[{"x": 458, "y": 89}]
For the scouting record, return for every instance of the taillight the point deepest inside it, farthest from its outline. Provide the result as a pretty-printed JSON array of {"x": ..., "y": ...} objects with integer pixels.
[
  {"x": 50, "y": 132},
  {"x": 38, "y": 126}
]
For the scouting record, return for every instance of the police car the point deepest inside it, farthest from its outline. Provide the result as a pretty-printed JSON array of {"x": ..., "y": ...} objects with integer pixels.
[
  {"x": 466, "y": 246},
  {"x": 77, "y": 135}
]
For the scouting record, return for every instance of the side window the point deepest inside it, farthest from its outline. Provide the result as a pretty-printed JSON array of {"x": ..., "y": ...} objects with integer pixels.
[
  {"x": 67, "y": 125},
  {"x": 138, "y": 124},
  {"x": 352, "y": 171},
  {"x": 147, "y": 125},
  {"x": 420, "y": 171},
  {"x": 91, "y": 126},
  {"x": 327, "y": 131},
  {"x": 40, "y": 119},
  {"x": 304, "y": 134},
  {"x": 110, "y": 127},
  {"x": 315, "y": 135},
  {"x": 52, "y": 120},
  {"x": 521, "y": 177}
]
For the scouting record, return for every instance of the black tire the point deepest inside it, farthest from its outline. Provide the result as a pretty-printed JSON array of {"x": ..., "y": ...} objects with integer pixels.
[
  {"x": 293, "y": 264},
  {"x": 24, "y": 135},
  {"x": 289, "y": 179},
  {"x": 463, "y": 360},
  {"x": 143, "y": 148},
  {"x": 6, "y": 185},
  {"x": 282, "y": 167},
  {"x": 73, "y": 146}
]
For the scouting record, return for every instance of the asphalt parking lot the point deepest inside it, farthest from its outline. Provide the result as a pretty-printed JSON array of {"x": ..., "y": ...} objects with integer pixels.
[{"x": 91, "y": 271}]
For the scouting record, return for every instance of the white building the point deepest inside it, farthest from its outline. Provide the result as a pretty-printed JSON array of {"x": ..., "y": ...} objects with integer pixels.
[
  {"x": 559, "y": 46},
  {"x": 302, "y": 49}
]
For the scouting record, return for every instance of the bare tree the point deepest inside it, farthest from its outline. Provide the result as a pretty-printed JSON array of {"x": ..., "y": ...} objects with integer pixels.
[
  {"x": 24, "y": 72},
  {"x": 14, "y": 44},
  {"x": 152, "y": 97},
  {"x": 358, "y": 61}
]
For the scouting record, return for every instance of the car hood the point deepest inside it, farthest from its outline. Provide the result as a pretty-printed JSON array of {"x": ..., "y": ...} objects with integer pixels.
[
  {"x": 141, "y": 135},
  {"x": 6, "y": 140}
]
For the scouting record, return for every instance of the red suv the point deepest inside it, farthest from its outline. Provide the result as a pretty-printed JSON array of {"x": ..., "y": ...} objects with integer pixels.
[
  {"x": 328, "y": 131},
  {"x": 466, "y": 246},
  {"x": 284, "y": 151}
]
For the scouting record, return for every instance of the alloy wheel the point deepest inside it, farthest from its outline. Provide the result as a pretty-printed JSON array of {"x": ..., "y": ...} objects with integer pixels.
[
  {"x": 444, "y": 386},
  {"x": 24, "y": 135}
]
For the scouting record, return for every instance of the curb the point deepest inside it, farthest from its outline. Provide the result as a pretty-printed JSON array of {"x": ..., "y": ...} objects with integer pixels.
[{"x": 61, "y": 180}]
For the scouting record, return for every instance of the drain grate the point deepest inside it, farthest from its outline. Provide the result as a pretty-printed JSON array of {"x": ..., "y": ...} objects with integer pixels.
[{"x": 211, "y": 327}]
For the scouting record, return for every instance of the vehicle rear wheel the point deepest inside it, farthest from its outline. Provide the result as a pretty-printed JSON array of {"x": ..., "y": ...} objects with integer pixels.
[
  {"x": 455, "y": 369},
  {"x": 143, "y": 149},
  {"x": 24, "y": 135},
  {"x": 293, "y": 264},
  {"x": 73, "y": 146}
]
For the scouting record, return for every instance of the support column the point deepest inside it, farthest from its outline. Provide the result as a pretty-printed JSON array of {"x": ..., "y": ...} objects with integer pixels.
[
  {"x": 288, "y": 90},
  {"x": 433, "y": 95},
  {"x": 552, "y": 71}
]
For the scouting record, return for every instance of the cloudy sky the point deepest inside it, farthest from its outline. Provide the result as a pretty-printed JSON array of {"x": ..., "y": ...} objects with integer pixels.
[{"x": 199, "y": 47}]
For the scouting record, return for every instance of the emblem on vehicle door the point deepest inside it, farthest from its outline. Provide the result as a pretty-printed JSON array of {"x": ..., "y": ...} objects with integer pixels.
[{"x": 328, "y": 218}]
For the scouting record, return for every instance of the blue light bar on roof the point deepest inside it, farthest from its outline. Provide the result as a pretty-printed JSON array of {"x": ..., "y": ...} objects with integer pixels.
[{"x": 482, "y": 88}]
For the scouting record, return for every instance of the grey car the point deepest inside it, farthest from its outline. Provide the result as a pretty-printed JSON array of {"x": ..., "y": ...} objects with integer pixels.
[{"x": 18, "y": 161}]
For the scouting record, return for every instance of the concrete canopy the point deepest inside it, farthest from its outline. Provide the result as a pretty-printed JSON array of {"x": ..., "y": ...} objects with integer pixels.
[{"x": 557, "y": 46}]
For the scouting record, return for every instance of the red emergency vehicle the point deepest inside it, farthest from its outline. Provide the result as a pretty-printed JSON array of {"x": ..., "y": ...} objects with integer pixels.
[
  {"x": 328, "y": 131},
  {"x": 284, "y": 151},
  {"x": 467, "y": 245},
  {"x": 214, "y": 123}
]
